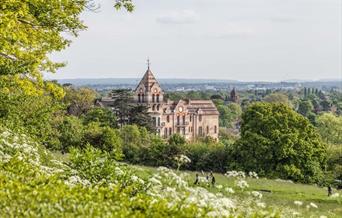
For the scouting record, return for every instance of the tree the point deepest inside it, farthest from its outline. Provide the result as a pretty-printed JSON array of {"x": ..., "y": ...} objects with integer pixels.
[
  {"x": 278, "y": 142},
  {"x": 79, "y": 100},
  {"x": 139, "y": 115},
  {"x": 103, "y": 138},
  {"x": 30, "y": 30},
  {"x": 70, "y": 133},
  {"x": 229, "y": 114},
  {"x": 330, "y": 127},
  {"x": 277, "y": 98},
  {"x": 103, "y": 116},
  {"x": 305, "y": 107},
  {"x": 127, "y": 112}
]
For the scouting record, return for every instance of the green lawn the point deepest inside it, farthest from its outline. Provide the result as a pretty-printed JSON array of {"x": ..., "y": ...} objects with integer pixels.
[{"x": 278, "y": 193}]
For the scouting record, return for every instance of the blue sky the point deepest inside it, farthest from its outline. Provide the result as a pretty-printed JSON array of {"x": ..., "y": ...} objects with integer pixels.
[{"x": 246, "y": 40}]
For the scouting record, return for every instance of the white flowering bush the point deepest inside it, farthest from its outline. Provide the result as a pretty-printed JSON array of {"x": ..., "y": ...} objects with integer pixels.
[
  {"x": 93, "y": 184},
  {"x": 181, "y": 160}
]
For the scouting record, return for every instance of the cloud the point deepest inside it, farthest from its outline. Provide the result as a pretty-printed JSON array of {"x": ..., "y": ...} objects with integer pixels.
[
  {"x": 234, "y": 31},
  {"x": 283, "y": 19},
  {"x": 178, "y": 17}
]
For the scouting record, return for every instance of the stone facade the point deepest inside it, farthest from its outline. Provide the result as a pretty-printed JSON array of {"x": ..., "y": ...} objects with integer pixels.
[{"x": 189, "y": 118}]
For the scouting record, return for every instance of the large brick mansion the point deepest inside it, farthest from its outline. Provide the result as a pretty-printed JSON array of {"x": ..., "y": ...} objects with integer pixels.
[{"x": 189, "y": 118}]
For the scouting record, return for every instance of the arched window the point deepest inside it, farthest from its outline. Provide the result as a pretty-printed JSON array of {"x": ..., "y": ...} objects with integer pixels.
[
  {"x": 165, "y": 133},
  {"x": 215, "y": 129},
  {"x": 190, "y": 118},
  {"x": 170, "y": 131},
  {"x": 153, "y": 97},
  {"x": 139, "y": 98},
  {"x": 158, "y": 107},
  {"x": 178, "y": 120},
  {"x": 183, "y": 119},
  {"x": 158, "y": 98},
  {"x": 154, "y": 107},
  {"x": 168, "y": 118}
]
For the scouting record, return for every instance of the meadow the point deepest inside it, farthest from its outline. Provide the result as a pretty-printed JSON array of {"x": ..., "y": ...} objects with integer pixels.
[{"x": 275, "y": 192}]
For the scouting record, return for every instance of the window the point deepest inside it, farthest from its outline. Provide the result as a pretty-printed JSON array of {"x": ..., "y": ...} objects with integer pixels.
[
  {"x": 158, "y": 121},
  {"x": 154, "y": 120},
  {"x": 207, "y": 130},
  {"x": 178, "y": 130},
  {"x": 158, "y": 107},
  {"x": 139, "y": 98},
  {"x": 153, "y": 97},
  {"x": 165, "y": 133},
  {"x": 170, "y": 131},
  {"x": 158, "y": 98},
  {"x": 184, "y": 119},
  {"x": 200, "y": 118},
  {"x": 168, "y": 118},
  {"x": 190, "y": 118},
  {"x": 189, "y": 129},
  {"x": 200, "y": 131},
  {"x": 183, "y": 130},
  {"x": 142, "y": 98},
  {"x": 215, "y": 129},
  {"x": 178, "y": 120},
  {"x": 154, "y": 107}
]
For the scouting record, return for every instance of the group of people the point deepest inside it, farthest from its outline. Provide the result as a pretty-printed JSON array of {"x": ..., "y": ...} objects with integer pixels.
[{"x": 209, "y": 178}]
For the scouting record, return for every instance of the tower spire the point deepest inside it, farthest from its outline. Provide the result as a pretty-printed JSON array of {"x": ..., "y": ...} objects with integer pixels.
[{"x": 148, "y": 63}]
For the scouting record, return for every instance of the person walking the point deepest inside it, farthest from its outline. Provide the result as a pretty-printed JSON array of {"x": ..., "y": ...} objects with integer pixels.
[
  {"x": 329, "y": 190},
  {"x": 196, "y": 180},
  {"x": 213, "y": 180}
]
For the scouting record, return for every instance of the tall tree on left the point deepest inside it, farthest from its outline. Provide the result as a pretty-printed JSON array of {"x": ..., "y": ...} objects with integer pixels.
[{"x": 31, "y": 29}]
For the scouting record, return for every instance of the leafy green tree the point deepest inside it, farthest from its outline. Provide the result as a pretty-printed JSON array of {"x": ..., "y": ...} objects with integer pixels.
[
  {"x": 103, "y": 116},
  {"x": 70, "y": 133},
  {"x": 277, "y": 98},
  {"x": 229, "y": 114},
  {"x": 31, "y": 29},
  {"x": 305, "y": 107},
  {"x": 330, "y": 127},
  {"x": 177, "y": 139},
  {"x": 139, "y": 115},
  {"x": 103, "y": 138},
  {"x": 79, "y": 100},
  {"x": 278, "y": 142}
]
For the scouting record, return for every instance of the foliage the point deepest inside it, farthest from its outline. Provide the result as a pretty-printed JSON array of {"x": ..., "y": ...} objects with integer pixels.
[
  {"x": 103, "y": 138},
  {"x": 93, "y": 184},
  {"x": 101, "y": 115},
  {"x": 79, "y": 100},
  {"x": 30, "y": 30},
  {"x": 330, "y": 127},
  {"x": 127, "y": 112},
  {"x": 229, "y": 114},
  {"x": 277, "y": 98},
  {"x": 278, "y": 142}
]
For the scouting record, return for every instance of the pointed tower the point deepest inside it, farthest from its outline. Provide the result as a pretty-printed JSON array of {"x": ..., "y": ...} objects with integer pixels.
[{"x": 148, "y": 90}]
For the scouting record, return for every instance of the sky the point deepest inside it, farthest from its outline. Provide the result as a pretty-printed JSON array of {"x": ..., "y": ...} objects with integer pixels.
[{"x": 246, "y": 40}]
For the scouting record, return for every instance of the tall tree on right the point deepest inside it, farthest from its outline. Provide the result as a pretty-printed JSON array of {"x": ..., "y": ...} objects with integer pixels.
[{"x": 278, "y": 142}]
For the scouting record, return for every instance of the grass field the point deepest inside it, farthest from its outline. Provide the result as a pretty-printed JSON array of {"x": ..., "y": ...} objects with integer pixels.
[{"x": 277, "y": 193}]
